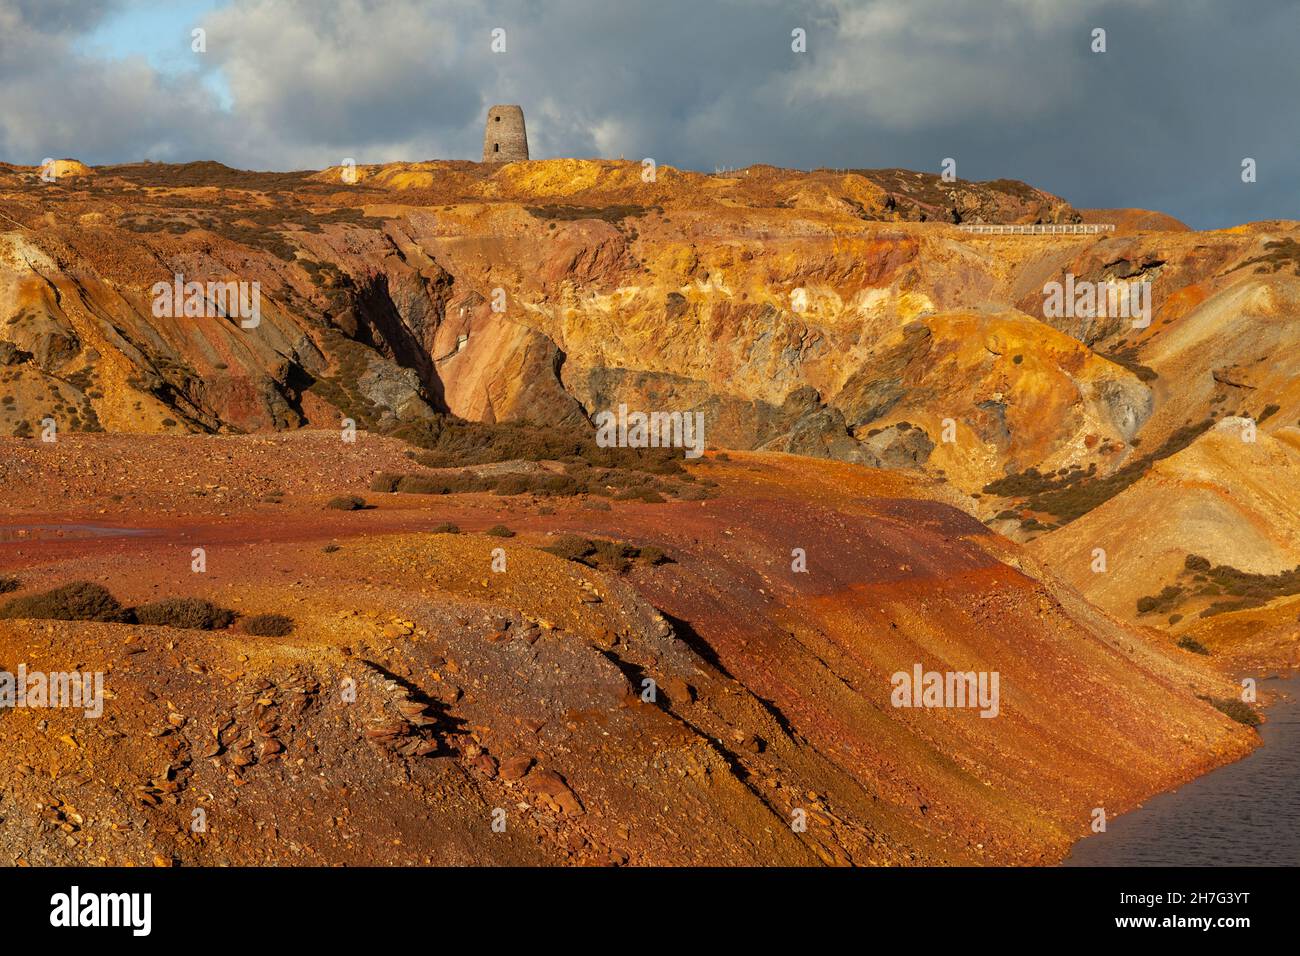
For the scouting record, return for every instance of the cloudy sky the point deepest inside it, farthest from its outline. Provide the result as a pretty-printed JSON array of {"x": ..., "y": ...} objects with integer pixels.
[{"x": 1009, "y": 88}]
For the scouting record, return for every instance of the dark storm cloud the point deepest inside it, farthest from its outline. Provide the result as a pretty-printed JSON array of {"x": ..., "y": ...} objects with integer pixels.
[{"x": 1010, "y": 88}]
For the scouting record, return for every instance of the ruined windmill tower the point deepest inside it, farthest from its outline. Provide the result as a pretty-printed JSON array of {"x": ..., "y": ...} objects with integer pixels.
[{"x": 504, "y": 139}]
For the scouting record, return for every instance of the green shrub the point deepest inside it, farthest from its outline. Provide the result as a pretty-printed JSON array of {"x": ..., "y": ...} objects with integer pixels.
[
  {"x": 193, "y": 613},
  {"x": 268, "y": 625},
  {"x": 79, "y": 601}
]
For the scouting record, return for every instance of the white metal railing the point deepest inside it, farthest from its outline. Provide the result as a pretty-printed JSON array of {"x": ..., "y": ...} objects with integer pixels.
[{"x": 1038, "y": 229}]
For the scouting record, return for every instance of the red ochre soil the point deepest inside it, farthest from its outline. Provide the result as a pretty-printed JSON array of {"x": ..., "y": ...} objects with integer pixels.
[{"x": 517, "y": 695}]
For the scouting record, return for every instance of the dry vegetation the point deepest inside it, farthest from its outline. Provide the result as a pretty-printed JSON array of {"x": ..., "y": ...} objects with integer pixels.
[
  {"x": 1072, "y": 492},
  {"x": 604, "y": 555},
  {"x": 1235, "y": 590}
]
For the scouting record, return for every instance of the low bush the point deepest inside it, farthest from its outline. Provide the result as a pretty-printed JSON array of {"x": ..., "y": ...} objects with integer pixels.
[
  {"x": 1164, "y": 601},
  {"x": 500, "y": 531},
  {"x": 1238, "y": 710},
  {"x": 193, "y": 613},
  {"x": 9, "y": 584},
  {"x": 461, "y": 483},
  {"x": 346, "y": 503},
  {"x": 1193, "y": 645},
  {"x": 451, "y": 442},
  {"x": 268, "y": 625},
  {"x": 78, "y": 601},
  {"x": 512, "y": 485},
  {"x": 603, "y": 555},
  {"x": 571, "y": 547}
]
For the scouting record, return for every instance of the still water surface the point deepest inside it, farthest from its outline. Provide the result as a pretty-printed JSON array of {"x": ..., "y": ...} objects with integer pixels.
[{"x": 1244, "y": 814}]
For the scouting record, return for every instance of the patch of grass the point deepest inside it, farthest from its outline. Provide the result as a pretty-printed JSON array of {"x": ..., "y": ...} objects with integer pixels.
[
  {"x": 330, "y": 548},
  {"x": 192, "y": 613},
  {"x": 445, "y": 528},
  {"x": 8, "y": 584},
  {"x": 1193, "y": 645},
  {"x": 268, "y": 625},
  {"x": 78, "y": 601},
  {"x": 500, "y": 531}
]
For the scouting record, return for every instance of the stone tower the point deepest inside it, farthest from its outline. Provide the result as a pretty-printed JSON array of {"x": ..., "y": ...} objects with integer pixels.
[{"x": 504, "y": 139}]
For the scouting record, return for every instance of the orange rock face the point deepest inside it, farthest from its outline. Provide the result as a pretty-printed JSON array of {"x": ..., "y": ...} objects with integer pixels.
[{"x": 601, "y": 663}]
